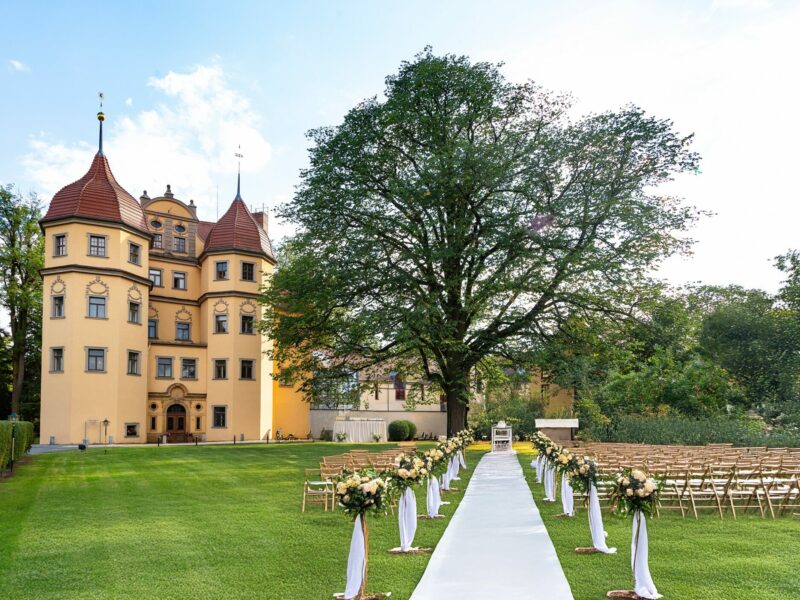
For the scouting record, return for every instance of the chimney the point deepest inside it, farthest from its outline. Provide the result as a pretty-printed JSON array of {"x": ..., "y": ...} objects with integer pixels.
[{"x": 262, "y": 219}]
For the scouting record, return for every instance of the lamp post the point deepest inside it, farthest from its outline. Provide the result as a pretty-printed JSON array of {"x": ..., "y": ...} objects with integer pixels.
[{"x": 106, "y": 423}]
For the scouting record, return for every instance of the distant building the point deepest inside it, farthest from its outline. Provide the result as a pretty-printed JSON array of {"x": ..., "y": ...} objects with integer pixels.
[{"x": 150, "y": 320}]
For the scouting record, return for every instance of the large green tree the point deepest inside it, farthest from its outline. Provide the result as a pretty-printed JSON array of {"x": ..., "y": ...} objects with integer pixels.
[
  {"x": 21, "y": 258},
  {"x": 464, "y": 216}
]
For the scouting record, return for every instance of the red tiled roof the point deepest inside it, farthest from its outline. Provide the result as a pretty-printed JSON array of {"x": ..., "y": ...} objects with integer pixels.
[
  {"x": 238, "y": 230},
  {"x": 204, "y": 228},
  {"x": 97, "y": 195}
]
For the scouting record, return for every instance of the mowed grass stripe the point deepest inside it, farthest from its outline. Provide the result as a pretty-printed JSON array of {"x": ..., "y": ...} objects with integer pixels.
[{"x": 205, "y": 522}]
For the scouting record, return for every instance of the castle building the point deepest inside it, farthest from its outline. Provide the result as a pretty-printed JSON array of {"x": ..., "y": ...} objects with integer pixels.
[{"x": 150, "y": 324}]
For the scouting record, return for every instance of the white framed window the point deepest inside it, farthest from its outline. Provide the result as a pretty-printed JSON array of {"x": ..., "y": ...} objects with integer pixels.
[
  {"x": 97, "y": 307},
  {"x": 97, "y": 245},
  {"x": 134, "y": 312},
  {"x": 58, "y": 307},
  {"x": 220, "y": 368},
  {"x": 164, "y": 367},
  {"x": 247, "y": 369},
  {"x": 178, "y": 280},
  {"x": 156, "y": 277},
  {"x": 134, "y": 362},
  {"x": 158, "y": 240},
  {"x": 248, "y": 324},
  {"x": 96, "y": 360},
  {"x": 220, "y": 416},
  {"x": 134, "y": 253},
  {"x": 152, "y": 329},
  {"x": 183, "y": 331},
  {"x": 248, "y": 271},
  {"x": 179, "y": 244},
  {"x": 221, "y": 270},
  {"x": 56, "y": 360},
  {"x": 188, "y": 368},
  {"x": 220, "y": 323},
  {"x": 60, "y": 244}
]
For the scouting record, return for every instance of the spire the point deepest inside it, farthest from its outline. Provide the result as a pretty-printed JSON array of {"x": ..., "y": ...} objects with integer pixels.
[
  {"x": 100, "y": 117},
  {"x": 239, "y": 155}
]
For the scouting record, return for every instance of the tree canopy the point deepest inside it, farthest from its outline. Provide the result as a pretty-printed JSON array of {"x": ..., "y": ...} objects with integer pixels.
[{"x": 463, "y": 216}]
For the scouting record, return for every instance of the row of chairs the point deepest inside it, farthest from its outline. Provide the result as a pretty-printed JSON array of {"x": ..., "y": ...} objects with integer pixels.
[
  {"x": 318, "y": 486},
  {"x": 717, "y": 478}
]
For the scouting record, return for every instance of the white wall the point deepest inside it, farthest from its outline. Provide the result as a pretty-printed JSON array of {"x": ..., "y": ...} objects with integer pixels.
[{"x": 426, "y": 421}]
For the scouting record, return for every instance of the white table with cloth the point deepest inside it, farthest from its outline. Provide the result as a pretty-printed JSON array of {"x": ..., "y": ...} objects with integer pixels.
[{"x": 360, "y": 430}]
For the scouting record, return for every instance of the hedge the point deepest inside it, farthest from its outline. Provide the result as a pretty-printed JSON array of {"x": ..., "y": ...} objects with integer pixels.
[
  {"x": 412, "y": 430},
  {"x": 398, "y": 431},
  {"x": 24, "y": 434},
  {"x": 693, "y": 432}
]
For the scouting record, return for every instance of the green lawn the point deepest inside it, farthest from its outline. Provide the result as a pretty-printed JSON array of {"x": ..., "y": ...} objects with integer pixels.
[
  {"x": 747, "y": 559},
  {"x": 189, "y": 522}
]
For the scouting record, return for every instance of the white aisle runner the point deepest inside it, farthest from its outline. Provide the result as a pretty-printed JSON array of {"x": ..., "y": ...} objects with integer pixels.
[{"x": 496, "y": 545}]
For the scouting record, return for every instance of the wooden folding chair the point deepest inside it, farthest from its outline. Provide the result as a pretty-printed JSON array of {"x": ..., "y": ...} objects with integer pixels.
[{"x": 316, "y": 489}]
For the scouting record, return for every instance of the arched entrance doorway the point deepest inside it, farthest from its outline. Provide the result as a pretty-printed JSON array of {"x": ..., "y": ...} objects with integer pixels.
[{"x": 176, "y": 419}]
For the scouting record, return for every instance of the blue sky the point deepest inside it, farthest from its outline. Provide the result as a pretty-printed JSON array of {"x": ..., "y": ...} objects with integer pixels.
[{"x": 186, "y": 82}]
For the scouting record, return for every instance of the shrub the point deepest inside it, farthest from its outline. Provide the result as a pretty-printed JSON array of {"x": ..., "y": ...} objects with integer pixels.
[
  {"x": 693, "y": 432},
  {"x": 24, "y": 433},
  {"x": 398, "y": 431},
  {"x": 5, "y": 444},
  {"x": 412, "y": 430}
]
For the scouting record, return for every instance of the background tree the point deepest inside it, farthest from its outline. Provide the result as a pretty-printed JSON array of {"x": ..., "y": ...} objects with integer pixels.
[
  {"x": 463, "y": 217},
  {"x": 21, "y": 258}
]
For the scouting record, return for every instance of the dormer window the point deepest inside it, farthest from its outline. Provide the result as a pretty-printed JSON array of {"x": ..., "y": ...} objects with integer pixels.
[
  {"x": 180, "y": 244},
  {"x": 158, "y": 240}
]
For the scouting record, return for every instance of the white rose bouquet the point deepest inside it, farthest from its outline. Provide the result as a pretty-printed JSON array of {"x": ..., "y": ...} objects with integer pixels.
[
  {"x": 582, "y": 474},
  {"x": 363, "y": 491},
  {"x": 409, "y": 470},
  {"x": 435, "y": 461},
  {"x": 633, "y": 491}
]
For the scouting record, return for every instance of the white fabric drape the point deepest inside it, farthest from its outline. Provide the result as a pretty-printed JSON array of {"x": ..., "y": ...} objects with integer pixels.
[
  {"x": 360, "y": 430},
  {"x": 356, "y": 562},
  {"x": 596, "y": 523},
  {"x": 407, "y": 518},
  {"x": 433, "y": 497},
  {"x": 567, "y": 501},
  {"x": 446, "y": 479},
  {"x": 539, "y": 467},
  {"x": 643, "y": 583},
  {"x": 549, "y": 483},
  {"x": 462, "y": 460},
  {"x": 454, "y": 467}
]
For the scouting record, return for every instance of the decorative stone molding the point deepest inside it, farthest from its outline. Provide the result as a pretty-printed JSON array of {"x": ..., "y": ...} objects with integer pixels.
[
  {"x": 152, "y": 312},
  {"x": 183, "y": 315},
  {"x": 58, "y": 287},
  {"x": 134, "y": 293},
  {"x": 248, "y": 307},
  {"x": 97, "y": 287},
  {"x": 221, "y": 306}
]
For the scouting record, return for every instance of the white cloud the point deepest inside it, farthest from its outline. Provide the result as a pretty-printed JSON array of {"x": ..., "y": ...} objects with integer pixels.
[
  {"x": 129, "y": 101},
  {"x": 187, "y": 140},
  {"x": 19, "y": 67}
]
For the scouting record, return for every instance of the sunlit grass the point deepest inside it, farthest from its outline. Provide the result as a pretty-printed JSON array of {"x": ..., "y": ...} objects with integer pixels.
[
  {"x": 749, "y": 559},
  {"x": 189, "y": 522}
]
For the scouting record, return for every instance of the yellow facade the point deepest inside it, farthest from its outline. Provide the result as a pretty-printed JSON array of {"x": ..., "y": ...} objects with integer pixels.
[{"x": 202, "y": 371}]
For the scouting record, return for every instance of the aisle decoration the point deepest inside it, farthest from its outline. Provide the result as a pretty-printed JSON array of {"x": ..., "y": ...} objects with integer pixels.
[
  {"x": 466, "y": 437},
  {"x": 359, "y": 493},
  {"x": 565, "y": 462},
  {"x": 550, "y": 454},
  {"x": 583, "y": 479},
  {"x": 448, "y": 448},
  {"x": 434, "y": 464},
  {"x": 409, "y": 471},
  {"x": 637, "y": 494},
  {"x": 540, "y": 441}
]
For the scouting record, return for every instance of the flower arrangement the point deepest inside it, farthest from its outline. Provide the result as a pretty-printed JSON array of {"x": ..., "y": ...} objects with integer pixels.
[
  {"x": 563, "y": 460},
  {"x": 362, "y": 491},
  {"x": 464, "y": 438},
  {"x": 541, "y": 442},
  {"x": 341, "y": 436},
  {"x": 582, "y": 474},
  {"x": 435, "y": 461},
  {"x": 377, "y": 437},
  {"x": 409, "y": 470},
  {"x": 634, "y": 491}
]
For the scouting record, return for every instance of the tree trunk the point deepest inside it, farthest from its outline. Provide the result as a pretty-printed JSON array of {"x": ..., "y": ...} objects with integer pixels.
[
  {"x": 456, "y": 389},
  {"x": 18, "y": 377}
]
